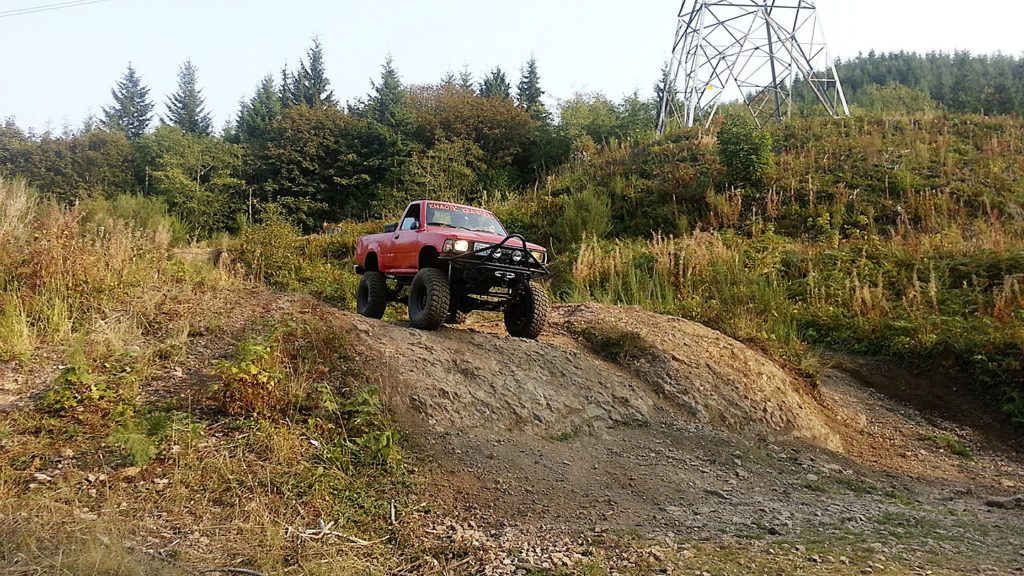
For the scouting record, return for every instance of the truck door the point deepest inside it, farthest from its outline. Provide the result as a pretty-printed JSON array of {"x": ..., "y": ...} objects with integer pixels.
[{"x": 404, "y": 246}]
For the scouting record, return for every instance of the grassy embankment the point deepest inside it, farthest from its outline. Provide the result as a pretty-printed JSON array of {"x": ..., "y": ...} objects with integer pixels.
[
  {"x": 171, "y": 422},
  {"x": 899, "y": 238}
]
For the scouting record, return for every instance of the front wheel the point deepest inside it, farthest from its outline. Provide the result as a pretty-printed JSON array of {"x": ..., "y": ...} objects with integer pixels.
[
  {"x": 372, "y": 295},
  {"x": 527, "y": 315},
  {"x": 429, "y": 297}
]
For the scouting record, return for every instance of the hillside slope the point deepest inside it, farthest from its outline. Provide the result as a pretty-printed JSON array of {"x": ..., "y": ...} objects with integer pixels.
[{"x": 623, "y": 440}]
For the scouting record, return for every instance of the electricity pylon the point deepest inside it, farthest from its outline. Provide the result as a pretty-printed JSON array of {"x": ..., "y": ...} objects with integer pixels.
[{"x": 762, "y": 48}]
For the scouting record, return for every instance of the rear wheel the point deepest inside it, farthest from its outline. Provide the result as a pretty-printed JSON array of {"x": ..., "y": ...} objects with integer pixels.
[
  {"x": 429, "y": 298},
  {"x": 372, "y": 295},
  {"x": 527, "y": 315}
]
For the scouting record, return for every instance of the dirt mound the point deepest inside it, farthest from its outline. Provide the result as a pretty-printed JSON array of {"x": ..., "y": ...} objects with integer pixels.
[
  {"x": 469, "y": 378},
  {"x": 712, "y": 377},
  {"x": 460, "y": 379}
]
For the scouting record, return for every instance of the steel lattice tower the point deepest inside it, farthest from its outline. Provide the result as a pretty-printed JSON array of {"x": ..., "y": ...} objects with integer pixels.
[{"x": 760, "y": 47}]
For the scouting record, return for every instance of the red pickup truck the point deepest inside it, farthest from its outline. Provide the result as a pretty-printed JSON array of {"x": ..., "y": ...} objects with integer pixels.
[{"x": 452, "y": 259}]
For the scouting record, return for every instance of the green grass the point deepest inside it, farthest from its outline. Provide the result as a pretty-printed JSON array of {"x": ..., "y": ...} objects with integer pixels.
[{"x": 950, "y": 444}]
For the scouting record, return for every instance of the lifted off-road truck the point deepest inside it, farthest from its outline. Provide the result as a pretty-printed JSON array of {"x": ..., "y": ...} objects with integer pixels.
[{"x": 448, "y": 260}]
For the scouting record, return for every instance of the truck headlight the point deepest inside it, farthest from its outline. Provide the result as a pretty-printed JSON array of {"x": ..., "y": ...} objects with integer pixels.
[
  {"x": 452, "y": 245},
  {"x": 540, "y": 255}
]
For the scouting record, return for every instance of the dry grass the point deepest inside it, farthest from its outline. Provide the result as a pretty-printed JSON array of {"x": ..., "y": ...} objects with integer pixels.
[
  {"x": 124, "y": 458},
  {"x": 64, "y": 277}
]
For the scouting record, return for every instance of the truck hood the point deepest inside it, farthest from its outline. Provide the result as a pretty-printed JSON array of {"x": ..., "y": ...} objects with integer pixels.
[{"x": 474, "y": 236}]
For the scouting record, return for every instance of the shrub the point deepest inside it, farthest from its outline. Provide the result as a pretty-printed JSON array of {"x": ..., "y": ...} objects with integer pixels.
[
  {"x": 584, "y": 214},
  {"x": 144, "y": 213},
  {"x": 302, "y": 371},
  {"x": 745, "y": 150},
  {"x": 140, "y": 436},
  {"x": 252, "y": 382},
  {"x": 81, "y": 395},
  {"x": 268, "y": 250},
  {"x": 274, "y": 252}
]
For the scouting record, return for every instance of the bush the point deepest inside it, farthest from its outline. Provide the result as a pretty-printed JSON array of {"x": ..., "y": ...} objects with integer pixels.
[
  {"x": 269, "y": 249},
  {"x": 252, "y": 383},
  {"x": 301, "y": 370},
  {"x": 745, "y": 150},
  {"x": 144, "y": 213},
  {"x": 274, "y": 252},
  {"x": 585, "y": 214}
]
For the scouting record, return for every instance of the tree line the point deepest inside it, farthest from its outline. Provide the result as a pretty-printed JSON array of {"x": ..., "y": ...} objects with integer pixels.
[
  {"x": 908, "y": 82},
  {"x": 293, "y": 144}
]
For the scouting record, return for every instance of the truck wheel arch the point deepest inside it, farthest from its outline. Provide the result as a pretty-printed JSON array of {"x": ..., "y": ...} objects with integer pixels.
[
  {"x": 370, "y": 263},
  {"x": 429, "y": 258}
]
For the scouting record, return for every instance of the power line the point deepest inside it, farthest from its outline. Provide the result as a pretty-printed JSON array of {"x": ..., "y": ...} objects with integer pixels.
[{"x": 47, "y": 7}]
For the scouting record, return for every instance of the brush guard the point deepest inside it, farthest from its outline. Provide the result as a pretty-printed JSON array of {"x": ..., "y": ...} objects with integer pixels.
[{"x": 487, "y": 282}]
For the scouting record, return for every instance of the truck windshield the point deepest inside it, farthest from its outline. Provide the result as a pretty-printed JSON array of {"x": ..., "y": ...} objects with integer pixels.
[{"x": 464, "y": 217}]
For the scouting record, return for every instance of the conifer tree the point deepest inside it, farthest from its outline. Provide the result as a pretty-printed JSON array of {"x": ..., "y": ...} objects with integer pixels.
[
  {"x": 664, "y": 84},
  {"x": 309, "y": 85},
  {"x": 387, "y": 105},
  {"x": 466, "y": 79},
  {"x": 449, "y": 79},
  {"x": 285, "y": 89},
  {"x": 186, "y": 108},
  {"x": 132, "y": 110},
  {"x": 256, "y": 116},
  {"x": 496, "y": 85},
  {"x": 529, "y": 93}
]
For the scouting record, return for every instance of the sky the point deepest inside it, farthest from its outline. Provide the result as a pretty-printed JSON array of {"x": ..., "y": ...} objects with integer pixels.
[{"x": 57, "y": 67}]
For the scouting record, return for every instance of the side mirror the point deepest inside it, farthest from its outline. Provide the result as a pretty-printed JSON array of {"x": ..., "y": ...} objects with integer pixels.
[{"x": 415, "y": 226}]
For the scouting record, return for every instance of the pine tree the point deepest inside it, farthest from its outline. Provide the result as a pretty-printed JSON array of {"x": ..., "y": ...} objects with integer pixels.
[
  {"x": 186, "y": 108},
  {"x": 529, "y": 93},
  {"x": 285, "y": 95},
  {"x": 449, "y": 80},
  {"x": 309, "y": 85},
  {"x": 132, "y": 110},
  {"x": 496, "y": 85},
  {"x": 387, "y": 103},
  {"x": 256, "y": 116},
  {"x": 466, "y": 79}
]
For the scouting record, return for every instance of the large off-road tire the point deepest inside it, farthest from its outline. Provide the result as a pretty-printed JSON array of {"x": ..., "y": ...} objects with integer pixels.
[
  {"x": 429, "y": 297},
  {"x": 527, "y": 315},
  {"x": 372, "y": 295}
]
